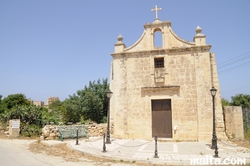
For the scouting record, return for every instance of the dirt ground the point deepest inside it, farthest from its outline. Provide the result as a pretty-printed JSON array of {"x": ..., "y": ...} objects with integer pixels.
[
  {"x": 245, "y": 143},
  {"x": 56, "y": 150}
]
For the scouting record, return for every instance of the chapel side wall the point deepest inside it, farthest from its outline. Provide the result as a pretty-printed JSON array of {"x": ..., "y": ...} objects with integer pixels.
[
  {"x": 220, "y": 126},
  {"x": 118, "y": 102},
  {"x": 204, "y": 99},
  {"x": 112, "y": 99}
]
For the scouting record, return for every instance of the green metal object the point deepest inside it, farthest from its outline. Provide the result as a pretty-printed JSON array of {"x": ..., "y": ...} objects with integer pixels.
[{"x": 71, "y": 131}]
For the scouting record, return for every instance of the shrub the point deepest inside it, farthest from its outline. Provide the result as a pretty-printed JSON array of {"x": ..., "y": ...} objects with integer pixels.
[{"x": 30, "y": 130}]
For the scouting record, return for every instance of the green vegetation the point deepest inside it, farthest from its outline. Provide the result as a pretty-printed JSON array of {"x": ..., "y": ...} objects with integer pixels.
[
  {"x": 90, "y": 103},
  {"x": 241, "y": 100},
  {"x": 225, "y": 102},
  {"x": 237, "y": 100},
  {"x": 87, "y": 105}
]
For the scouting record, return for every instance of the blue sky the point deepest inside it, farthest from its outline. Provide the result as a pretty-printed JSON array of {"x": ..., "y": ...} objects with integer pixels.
[{"x": 54, "y": 48}]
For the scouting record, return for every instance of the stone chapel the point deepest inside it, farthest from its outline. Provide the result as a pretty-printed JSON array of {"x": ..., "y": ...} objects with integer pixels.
[{"x": 164, "y": 91}]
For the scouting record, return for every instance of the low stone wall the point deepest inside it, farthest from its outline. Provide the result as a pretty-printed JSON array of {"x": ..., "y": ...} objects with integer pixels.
[
  {"x": 50, "y": 132},
  {"x": 234, "y": 122}
]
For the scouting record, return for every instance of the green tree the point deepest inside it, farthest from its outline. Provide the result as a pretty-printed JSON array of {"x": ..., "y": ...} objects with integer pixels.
[
  {"x": 53, "y": 114},
  {"x": 10, "y": 102},
  {"x": 15, "y": 99},
  {"x": 71, "y": 111},
  {"x": 241, "y": 100},
  {"x": 225, "y": 102},
  {"x": 2, "y": 106},
  {"x": 95, "y": 101},
  {"x": 90, "y": 103},
  {"x": 56, "y": 106}
]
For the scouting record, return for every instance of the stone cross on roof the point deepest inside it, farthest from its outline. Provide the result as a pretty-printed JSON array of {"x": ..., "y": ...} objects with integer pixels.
[{"x": 156, "y": 9}]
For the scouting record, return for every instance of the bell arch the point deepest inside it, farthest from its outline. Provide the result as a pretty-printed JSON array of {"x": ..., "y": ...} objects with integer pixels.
[{"x": 157, "y": 38}]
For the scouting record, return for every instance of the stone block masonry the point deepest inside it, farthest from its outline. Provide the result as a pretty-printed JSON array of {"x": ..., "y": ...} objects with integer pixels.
[
  {"x": 178, "y": 75},
  {"x": 234, "y": 122}
]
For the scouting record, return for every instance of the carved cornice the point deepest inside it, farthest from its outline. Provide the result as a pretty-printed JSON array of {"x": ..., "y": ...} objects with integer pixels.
[
  {"x": 165, "y": 51},
  {"x": 161, "y": 88},
  {"x": 201, "y": 48},
  {"x": 179, "y": 49}
]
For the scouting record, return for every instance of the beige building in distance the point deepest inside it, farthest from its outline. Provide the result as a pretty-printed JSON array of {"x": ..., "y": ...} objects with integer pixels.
[
  {"x": 38, "y": 103},
  {"x": 51, "y": 100},
  {"x": 164, "y": 91}
]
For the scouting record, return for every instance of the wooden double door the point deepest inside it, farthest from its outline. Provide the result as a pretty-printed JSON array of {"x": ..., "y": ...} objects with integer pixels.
[{"x": 161, "y": 118}]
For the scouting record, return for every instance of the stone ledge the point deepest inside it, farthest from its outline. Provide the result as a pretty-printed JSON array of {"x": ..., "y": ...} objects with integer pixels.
[{"x": 159, "y": 88}]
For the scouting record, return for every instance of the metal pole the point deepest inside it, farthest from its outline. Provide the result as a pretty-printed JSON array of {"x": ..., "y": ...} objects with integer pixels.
[
  {"x": 214, "y": 134},
  {"x": 156, "y": 152},
  {"x": 104, "y": 146},
  {"x": 216, "y": 149},
  {"x": 108, "y": 131},
  {"x": 214, "y": 140},
  {"x": 77, "y": 137}
]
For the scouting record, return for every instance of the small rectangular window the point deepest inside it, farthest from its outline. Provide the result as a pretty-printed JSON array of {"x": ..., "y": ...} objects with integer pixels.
[{"x": 159, "y": 62}]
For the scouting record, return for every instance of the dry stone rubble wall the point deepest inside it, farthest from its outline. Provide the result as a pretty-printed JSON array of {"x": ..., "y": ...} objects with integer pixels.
[{"x": 50, "y": 132}]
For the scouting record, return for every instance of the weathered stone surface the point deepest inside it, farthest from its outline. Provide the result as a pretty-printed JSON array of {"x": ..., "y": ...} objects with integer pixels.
[
  {"x": 52, "y": 135},
  {"x": 14, "y": 127},
  {"x": 234, "y": 122},
  {"x": 46, "y": 131},
  {"x": 51, "y": 132}
]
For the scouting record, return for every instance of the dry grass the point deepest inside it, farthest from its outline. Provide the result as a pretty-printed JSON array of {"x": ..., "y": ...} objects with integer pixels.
[{"x": 60, "y": 150}]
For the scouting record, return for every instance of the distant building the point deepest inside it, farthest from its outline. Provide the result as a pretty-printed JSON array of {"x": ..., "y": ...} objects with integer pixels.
[
  {"x": 51, "y": 100},
  {"x": 37, "y": 103}
]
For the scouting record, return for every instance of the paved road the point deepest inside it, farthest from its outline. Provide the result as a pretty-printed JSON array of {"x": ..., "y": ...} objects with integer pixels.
[{"x": 16, "y": 156}]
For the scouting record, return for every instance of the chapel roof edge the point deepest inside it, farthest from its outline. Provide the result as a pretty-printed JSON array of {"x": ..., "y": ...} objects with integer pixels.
[
  {"x": 157, "y": 22},
  {"x": 168, "y": 50}
]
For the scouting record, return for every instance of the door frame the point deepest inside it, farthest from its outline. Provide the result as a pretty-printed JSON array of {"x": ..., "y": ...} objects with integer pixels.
[{"x": 161, "y": 98}]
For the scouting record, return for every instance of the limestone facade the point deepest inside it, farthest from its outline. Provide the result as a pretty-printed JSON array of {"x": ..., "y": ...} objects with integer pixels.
[{"x": 179, "y": 71}]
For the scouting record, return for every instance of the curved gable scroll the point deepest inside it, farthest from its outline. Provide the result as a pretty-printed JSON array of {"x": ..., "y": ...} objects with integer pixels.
[
  {"x": 180, "y": 39},
  {"x": 136, "y": 43}
]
